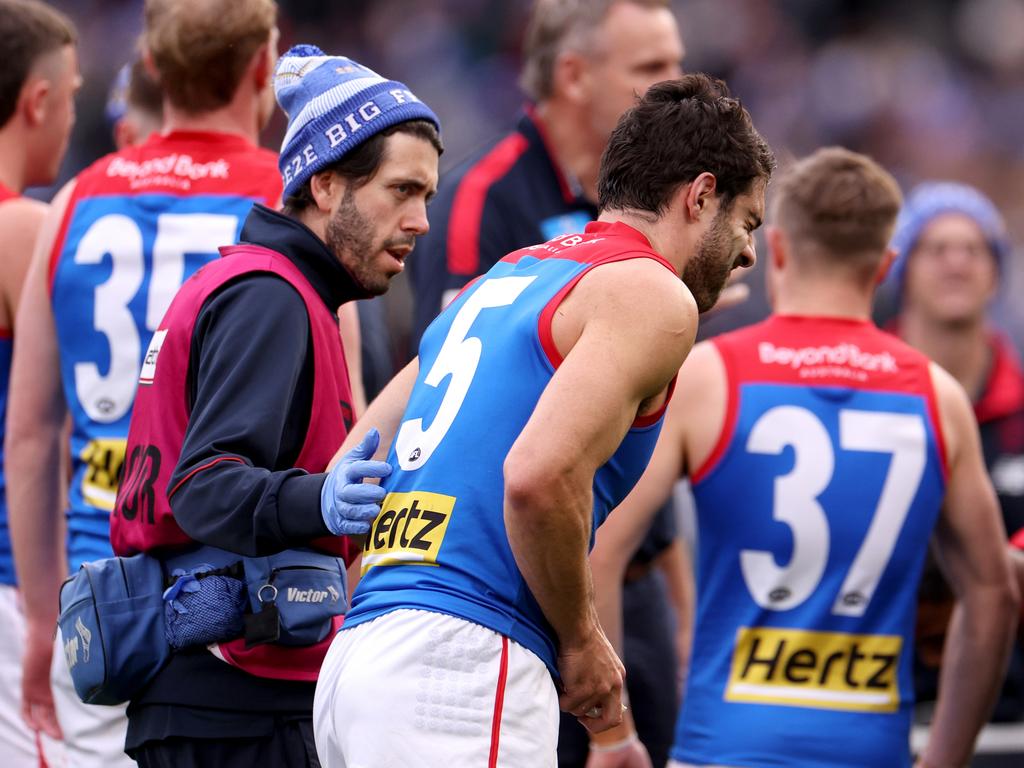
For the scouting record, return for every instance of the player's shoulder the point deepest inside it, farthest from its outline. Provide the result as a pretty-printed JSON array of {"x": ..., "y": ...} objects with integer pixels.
[
  {"x": 21, "y": 220},
  {"x": 20, "y": 212},
  {"x": 643, "y": 283},
  {"x": 643, "y": 296},
  {"x": 951, "y": 398}
]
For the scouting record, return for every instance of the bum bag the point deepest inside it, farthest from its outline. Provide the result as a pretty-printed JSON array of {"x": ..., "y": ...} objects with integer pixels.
[{"x": 122, "y": 617}]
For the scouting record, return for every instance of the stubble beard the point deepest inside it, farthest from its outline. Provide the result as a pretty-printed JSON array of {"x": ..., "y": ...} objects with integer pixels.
[
  {"x": 349, "y": 236},
  {"x": 707, "y": 271}
]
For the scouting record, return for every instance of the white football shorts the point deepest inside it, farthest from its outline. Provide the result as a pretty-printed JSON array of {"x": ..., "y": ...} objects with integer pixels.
[{"x": 417, "y": 689}]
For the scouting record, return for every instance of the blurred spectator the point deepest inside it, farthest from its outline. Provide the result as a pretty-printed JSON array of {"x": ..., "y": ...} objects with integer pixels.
[{"x": 953, "y": 247}]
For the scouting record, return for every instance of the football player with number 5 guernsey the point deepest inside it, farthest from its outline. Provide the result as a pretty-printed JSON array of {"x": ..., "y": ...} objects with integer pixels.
[
  {"x": 121, "y": 238},
  {"x": 823, "y": 454},
  {"x": 532, "y": 409}
]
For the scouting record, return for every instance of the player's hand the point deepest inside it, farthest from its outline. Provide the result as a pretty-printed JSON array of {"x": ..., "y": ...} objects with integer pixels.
[
  {"x": 592, "y": 677},
  {"x": 348, "y": 504},
  {"x": 36, "y": 694},
  {"x": 630, "y": 753}
]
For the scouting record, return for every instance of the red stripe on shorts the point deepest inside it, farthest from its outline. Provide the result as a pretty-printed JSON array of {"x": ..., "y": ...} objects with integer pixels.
[{"x": 499, "y": 700}]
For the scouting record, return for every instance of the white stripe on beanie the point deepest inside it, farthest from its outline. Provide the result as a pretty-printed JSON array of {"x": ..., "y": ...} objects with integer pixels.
[{"x": 327, "y": 101}]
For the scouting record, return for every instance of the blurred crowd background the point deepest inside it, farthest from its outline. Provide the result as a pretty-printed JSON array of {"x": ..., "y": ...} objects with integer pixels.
[{"x": 931, "y": 88}]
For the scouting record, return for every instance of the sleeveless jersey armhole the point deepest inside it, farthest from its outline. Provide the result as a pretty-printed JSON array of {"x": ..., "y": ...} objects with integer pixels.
[
  {"x": 936, "y": 417},
  {"x": 652, "y": 418},
  {"x": 58, "y": 242},
  {"x": 547, "y": 341},
  {"x": 728, "y": 427}
]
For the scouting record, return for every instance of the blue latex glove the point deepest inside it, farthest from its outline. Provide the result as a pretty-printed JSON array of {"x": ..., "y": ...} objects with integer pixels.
[{"x": 349, "y": 505}]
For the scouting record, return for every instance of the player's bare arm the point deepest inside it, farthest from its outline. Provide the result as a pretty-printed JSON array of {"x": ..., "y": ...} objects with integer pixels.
[
  {"x": 971, "y": 548},
  {"x": 699, "y": 400},
  {"x": 351, "y": 342},
  {"x": 20, "y": 220},
  {"x": 384, "y": 413},
  {"x": 35, "y": 423},
  {"x": 623, "y": 332}
]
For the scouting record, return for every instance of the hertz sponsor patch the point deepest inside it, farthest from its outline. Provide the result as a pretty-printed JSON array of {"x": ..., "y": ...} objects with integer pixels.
[
  {"x": 409, "y": 530},
  {"x": 821, "y": 670},
  {"x": 104, "y": 463}
]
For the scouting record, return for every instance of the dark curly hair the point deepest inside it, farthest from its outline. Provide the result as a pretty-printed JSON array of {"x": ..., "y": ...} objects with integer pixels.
[{"x": 680, "y": 129}]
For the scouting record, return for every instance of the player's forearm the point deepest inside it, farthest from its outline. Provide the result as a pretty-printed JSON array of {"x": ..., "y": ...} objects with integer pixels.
[
  {"x": 548, "y": 524},
  {"x": 32, "y": 467},
  {"x": 608, "y": 574},
  {"x": 974, "y": 662}
]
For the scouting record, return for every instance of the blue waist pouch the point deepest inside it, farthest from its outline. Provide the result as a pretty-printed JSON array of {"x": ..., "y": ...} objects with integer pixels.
[
  {"x": 294, "y": 597},
  {"x": 121, "y": 618},
  {"x": 112, "y": 627}
]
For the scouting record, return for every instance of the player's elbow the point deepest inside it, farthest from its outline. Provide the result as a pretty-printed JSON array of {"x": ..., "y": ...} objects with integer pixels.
[
  {"x": 535, "y": 490},
  {"x": 1012, "y": 591},
  {"x": 998, "y": 601}
]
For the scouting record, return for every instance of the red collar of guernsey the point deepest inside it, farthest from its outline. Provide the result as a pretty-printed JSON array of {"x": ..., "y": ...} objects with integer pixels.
[
  {"x": 205, "y": 138},
  {"x": 1004, "y": 389},
  {"x": 818, "y": 320},
  {"x": 618, "y": 228},
  {"x": 6, "y": 193}
]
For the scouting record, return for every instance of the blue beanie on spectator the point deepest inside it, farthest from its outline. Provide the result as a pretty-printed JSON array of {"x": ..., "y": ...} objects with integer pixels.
[
  {"x": 932, "y": 199},
  {"x": 334, "y": 104}
]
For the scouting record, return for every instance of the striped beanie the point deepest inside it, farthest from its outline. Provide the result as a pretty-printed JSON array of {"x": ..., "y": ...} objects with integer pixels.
[
  {"x": 932, "y": 199},
  {"x": 334, "y": 104}
]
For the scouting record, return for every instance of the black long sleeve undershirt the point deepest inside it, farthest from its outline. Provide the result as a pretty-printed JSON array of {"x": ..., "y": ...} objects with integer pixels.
[{"x": 250, "y": 389}]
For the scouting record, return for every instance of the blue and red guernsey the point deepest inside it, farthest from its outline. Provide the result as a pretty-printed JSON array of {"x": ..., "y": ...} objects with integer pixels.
[
  {"x": 814, "y": 511},
  {"x": 143, "y": 520},
  {"x": 139, "y": 222},
  {"x": 7, "y": 575},
  {"x": 439, "y": 543}
]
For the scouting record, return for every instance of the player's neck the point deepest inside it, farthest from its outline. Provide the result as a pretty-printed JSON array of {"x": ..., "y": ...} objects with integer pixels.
[
  {"x": 565, "y": 132},
  {"x": 960, "y": 348},
  {"x": 13, "y": 161},
  {"x": 235, "y": 118},
  {"x": 823, "y": 299}
]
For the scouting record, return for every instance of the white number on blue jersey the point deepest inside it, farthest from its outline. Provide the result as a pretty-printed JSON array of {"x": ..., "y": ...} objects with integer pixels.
[
  {"x": 795, "y": 502},
  {"x": 458, "y": 358},
  {"x": 107, "y": 397}
]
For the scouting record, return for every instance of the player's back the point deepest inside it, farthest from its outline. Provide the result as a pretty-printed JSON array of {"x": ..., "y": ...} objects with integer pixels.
[
  {"x": 138, "y": 223},
  {"x": 815, "y": 510},
  {"x": 484, "y": 364}
]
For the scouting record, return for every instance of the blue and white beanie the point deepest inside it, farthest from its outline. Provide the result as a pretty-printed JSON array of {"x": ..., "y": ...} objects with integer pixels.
[
  {"x": 932, "y": 199},
  {"x": 334, "y": 104}
]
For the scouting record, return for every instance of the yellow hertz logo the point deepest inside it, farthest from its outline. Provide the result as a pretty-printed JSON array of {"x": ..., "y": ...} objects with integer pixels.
[
  {"x": 409, "y": 530},
  {"x": 823, "y": 670},
  {"x": 104, "y": 462}
]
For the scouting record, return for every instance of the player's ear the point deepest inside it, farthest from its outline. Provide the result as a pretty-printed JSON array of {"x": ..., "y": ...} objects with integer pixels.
[
  {"x": 778, "y": 246},
  {"x": 888, "y": 258},
  {"x": 699, "y": 196},
  {"x": 149, "y": 65},
  {"x": 32, "y": 100},
  {"x": 264, "y": 61}
]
